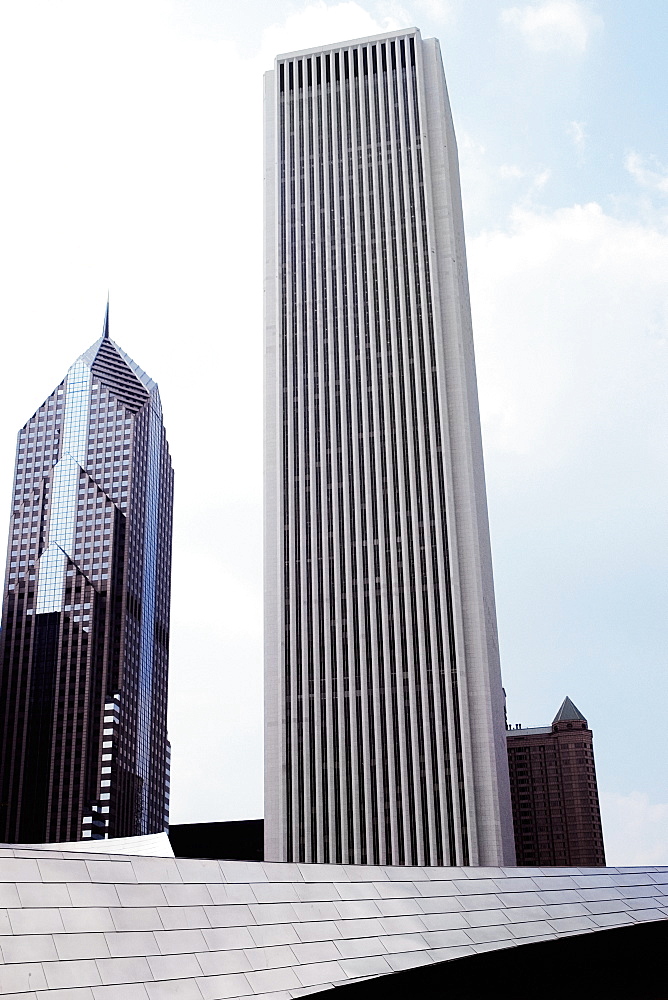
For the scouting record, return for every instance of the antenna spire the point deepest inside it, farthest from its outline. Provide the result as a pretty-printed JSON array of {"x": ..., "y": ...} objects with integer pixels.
[{"x": 105, "y": 329}]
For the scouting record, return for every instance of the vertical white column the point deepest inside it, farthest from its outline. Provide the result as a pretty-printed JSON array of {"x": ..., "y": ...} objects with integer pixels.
[{"x": 274, "y": 800}]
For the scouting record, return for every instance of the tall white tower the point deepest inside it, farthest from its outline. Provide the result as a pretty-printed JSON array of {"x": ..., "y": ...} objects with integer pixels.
[{"x": 384, "y": 733}]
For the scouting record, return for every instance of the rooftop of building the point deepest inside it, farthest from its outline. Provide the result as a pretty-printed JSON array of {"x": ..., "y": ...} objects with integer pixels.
[
  {"x": 528, "y": 731},
  {"x": 568, "y": 712},
  {"x": 349, "y": 43}
]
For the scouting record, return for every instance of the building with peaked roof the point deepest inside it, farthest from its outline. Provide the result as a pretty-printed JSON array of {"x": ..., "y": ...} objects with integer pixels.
[
  {"x": 556, "y": 811},
  {"x": 384, "y": 725},
  {"x": 85, "y": 622}
]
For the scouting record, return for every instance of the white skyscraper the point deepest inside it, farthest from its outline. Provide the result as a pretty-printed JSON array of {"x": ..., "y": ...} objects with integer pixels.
[{"x": 384, "y": 734}]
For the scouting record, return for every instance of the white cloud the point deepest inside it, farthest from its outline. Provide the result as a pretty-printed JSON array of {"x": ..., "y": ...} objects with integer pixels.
[
  {"x": 655, "y": 179},
  {"x": 541, "y": 179},
  {"x": 437, "y": 10},
  {"x": 554, "y": 25},
  {"x": 571, "y": 320},
  {"x": 510, "y": 172},
  {"x": 635, "y": 830},
  {"x": 577, "y": 131},
  {"x": 467, "y": 144}
]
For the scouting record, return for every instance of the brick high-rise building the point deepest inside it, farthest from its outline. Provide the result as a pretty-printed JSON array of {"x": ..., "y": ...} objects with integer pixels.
[
  {"x": 384, "y": 732},
  {"x": 555, "y": 797},
  {"x": 85, "y": 623}
]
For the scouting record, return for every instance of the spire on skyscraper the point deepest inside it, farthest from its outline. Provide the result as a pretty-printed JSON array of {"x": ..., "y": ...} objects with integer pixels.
[{"x": 85, "y": 631}]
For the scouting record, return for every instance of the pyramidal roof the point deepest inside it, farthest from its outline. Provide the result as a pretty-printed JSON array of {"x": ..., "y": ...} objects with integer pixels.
[
  {"x": 116, "y": 369},
  {"x": 568, "y": 713}
]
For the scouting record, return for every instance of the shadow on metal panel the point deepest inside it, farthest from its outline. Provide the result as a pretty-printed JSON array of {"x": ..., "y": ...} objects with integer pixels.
[
  {"x": 237, "y": 840},
  {"x": 628, "y": 962}
]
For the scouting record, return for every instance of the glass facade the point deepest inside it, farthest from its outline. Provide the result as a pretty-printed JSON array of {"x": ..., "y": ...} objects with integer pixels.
[
  {"x": 65, "y": 478},
  {"x": 85, "y": 629}
]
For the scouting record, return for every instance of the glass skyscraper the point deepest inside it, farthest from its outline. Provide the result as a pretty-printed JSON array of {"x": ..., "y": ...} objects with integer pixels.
[
  {"x": 384, "y": 735},
  {"x": 85, "y": 623}
]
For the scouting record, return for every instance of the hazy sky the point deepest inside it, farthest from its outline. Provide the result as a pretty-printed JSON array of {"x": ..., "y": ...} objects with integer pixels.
[{"x": 132, "y": 162}]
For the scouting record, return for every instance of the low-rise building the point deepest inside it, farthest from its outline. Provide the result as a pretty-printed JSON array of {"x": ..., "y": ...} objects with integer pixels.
[{"x": 554, "y": 793}]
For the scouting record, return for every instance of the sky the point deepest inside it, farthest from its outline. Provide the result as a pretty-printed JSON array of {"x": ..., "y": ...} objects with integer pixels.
[{"x": 132, "y": 164}]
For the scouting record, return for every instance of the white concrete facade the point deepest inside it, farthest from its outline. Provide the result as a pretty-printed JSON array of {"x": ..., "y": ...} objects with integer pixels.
[
  {"x": 384, "y": 733},
  {"x": 82, "y": 926}
]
